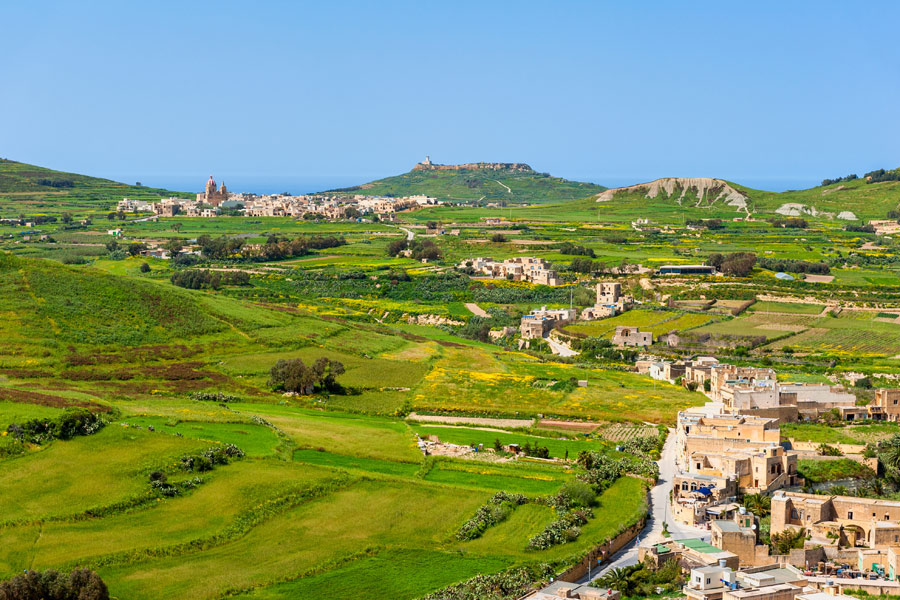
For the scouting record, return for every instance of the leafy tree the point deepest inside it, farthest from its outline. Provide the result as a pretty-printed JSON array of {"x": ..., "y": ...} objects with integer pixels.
[
  {"x": 498, "y": 238},
  {"x": 293, "y": 375},
  {"x": 174, "y": 246},
  {"x": 136, "y": 248},
  {"x": 80, "y": 584}
]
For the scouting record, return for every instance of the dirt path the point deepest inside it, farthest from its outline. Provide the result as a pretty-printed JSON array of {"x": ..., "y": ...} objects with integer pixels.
[
  {"x": 508, "y": 191},
  {"x": 477, "y": 310},
  {"x": 471, "y": 420}
]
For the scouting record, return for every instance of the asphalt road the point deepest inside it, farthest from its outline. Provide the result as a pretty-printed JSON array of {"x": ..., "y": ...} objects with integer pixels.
[{"x": 659, "y": 513}]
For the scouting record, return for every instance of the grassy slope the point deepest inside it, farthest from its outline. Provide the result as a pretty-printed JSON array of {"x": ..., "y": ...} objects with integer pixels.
[
  {"x": 471, "y": 185},
  {"x": 21, "y": 191}
]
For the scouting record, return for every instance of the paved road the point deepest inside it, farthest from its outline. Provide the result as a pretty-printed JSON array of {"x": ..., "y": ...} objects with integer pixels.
[
  {"x": 560, "y": 348},
  {"x": 659, "y": 513},
  {"x": 409, "y": 234}
]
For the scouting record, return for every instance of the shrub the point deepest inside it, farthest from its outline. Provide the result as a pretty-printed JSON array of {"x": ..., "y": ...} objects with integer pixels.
[
  {"x": 73, "y": 421},
  {"x": 495, "y": 511},
  {"x": 580, "y": 493}
]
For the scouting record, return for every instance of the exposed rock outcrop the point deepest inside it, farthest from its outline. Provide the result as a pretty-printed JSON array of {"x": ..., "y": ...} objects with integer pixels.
[{"x": 708, "y": 191}]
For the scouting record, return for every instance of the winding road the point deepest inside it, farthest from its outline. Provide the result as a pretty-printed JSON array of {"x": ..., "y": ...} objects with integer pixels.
[{"x": 659, "y": 513}]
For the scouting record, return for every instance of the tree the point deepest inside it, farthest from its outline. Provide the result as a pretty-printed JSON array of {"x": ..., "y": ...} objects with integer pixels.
[
  {"x": 136, "y": 248},
  {"x": 111, "y": 216},
  {"x": 145, "y": 268},
  {"x": 395, "y": 247},
  {"x": 498, "y": 238},
  {"x": 294, "y": 375},
  {"x": 66, "y": 218},
  {"x": 351, "y": 212},
  {"x": 174, "y": 246}
]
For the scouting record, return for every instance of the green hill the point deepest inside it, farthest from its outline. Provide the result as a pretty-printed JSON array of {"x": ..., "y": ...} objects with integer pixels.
[
  {"x": 676, "y": 198},
  {"x": 31, "y": 189},
  {"x": 479, "y": 183}
]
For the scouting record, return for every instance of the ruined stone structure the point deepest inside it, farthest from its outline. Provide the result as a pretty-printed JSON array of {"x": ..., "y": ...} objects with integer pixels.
[{"x": 427, "y": 165}]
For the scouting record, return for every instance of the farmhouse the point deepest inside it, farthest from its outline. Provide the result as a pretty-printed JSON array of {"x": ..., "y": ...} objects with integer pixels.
[
  {"x": 885, "y": 407},
  {"x": 540, "y": 320},
  {"x": 610, "y": 302},
  {"x": 521, "y": 268},
  {"x": 631, "y": 336},
  {"x": 855, "y": 522}
]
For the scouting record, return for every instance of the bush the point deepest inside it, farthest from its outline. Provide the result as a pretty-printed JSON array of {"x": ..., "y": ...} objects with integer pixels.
[
  {"x": 580, "y": 493},
  {"x": 72, "y": 422},
  {"x": 495, "y": 511},
  {"x": 145, "y": 268}
]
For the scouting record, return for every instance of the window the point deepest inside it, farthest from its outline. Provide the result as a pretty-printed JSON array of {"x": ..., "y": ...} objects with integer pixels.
[
  {"x": 887, "y": 517},
  {"x": 850, "y": 515}
]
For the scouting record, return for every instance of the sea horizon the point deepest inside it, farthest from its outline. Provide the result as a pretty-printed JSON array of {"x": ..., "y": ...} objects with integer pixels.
[{"x": 309, "y": 184}]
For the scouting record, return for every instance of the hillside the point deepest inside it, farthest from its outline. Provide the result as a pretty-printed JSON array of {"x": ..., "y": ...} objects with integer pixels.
[
  {"x": 29, "y": 188},
  {"x": 857, "y": 199},
  {"x": 479, "y": 183}
]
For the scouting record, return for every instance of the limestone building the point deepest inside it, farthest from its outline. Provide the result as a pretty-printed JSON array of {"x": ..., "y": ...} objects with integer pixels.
[{"x": 213, "y": 194}]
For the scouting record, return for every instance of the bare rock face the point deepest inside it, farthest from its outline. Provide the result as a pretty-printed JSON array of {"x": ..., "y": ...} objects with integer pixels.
[{"x": 708, "y": 191}]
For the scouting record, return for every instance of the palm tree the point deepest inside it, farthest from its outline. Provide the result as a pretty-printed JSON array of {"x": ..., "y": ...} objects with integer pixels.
[
  {"x": 618, "y": 579},
  {"x": 889, "y": 453}
]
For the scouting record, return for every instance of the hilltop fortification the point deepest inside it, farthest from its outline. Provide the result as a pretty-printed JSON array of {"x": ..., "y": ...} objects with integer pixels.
[{"x": 427, "y": 165}]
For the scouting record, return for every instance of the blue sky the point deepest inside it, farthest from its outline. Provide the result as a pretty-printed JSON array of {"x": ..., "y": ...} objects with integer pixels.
[{"x": 607, "y": 91}]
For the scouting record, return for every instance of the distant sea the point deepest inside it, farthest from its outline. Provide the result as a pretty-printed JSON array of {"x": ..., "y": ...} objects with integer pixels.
[
  {"x": 255, "y": 184},
  {"x": 296, "y": 185}
]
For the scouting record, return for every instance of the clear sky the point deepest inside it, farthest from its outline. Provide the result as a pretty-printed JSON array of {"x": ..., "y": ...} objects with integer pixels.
[{"x": 613, "y": 92}]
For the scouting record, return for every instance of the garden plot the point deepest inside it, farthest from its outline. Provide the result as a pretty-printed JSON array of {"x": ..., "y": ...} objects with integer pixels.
[{"x": 622, "y": 432}]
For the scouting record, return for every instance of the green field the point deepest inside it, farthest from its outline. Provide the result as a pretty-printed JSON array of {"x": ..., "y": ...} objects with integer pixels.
[{"x": 332, "y": 491}]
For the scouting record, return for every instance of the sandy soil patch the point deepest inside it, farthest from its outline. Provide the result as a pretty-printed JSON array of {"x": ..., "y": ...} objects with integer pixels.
[{"x": 810, "y": 278}]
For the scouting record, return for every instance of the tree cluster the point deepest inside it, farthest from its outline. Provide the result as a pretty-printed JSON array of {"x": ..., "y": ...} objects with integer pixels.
[
  {"x": 879, "y": 175},
  {"x": 790, "y": 265},
  {"x": 581, "y": 264},
  {"x": 576, "y": 250},
  {"x": 861, "y": 228},
  {"x": 197, "y": 279},
  {"x": 707, "y": 223},
  {"x": 80, "y": 584},
  {"x": 736, "y": 264},
  {"x": 56, "y": 182},
  {"x": 293, "y": 375},
  {"x": 418, "y": 249},
  {"x": 850, "y": 177},
  {"x": 790, "y": 223}
]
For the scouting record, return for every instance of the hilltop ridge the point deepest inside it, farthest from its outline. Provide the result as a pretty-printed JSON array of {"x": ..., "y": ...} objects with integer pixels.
[
  {"x": 478, "y": 183},
  {"x": 704, "y": 191}
]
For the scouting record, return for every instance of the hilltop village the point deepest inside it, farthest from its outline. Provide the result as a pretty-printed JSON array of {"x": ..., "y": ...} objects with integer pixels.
[
  {"x": 528, "y": 381},
  {"x": 217, "y": 201}
]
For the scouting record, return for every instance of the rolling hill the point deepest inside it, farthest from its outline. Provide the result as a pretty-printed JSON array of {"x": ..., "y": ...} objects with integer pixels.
[
  {"x": 30, "y": 189},
  {"x": 479, "y": 183},
  {"x": 853, "y": 200}
]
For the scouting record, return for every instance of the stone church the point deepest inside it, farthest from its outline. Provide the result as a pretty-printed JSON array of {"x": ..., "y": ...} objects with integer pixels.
[{"x": 213, "y": 194}]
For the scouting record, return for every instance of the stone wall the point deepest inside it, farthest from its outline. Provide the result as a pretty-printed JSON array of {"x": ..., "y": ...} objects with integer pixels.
[{"x": 603, "y": 551}]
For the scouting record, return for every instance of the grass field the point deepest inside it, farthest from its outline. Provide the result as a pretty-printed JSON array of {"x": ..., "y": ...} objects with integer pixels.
[{"x": 333, "y": 493}]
